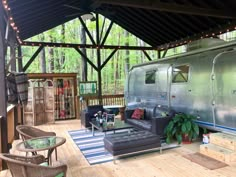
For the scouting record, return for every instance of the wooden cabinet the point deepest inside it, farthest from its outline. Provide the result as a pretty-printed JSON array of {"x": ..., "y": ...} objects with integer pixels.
[
  {"x": 36, "y": 111},
  {"x": 64, "y": 98},
  {"x": 54, "y": 99}
]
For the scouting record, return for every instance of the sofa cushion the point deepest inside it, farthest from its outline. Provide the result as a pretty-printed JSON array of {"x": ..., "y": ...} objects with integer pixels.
[
  {"x": 138, "y": 114},
  {"x": 142, "y": 124}
]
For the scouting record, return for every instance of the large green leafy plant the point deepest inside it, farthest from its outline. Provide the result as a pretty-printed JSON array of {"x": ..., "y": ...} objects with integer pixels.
[{"x": 181, "y": 124}]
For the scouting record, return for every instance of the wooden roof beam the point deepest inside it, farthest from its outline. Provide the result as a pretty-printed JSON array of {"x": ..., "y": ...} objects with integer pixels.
[
  {"x": 173, "y": 7},
  {"x": 69, "y": 45}
]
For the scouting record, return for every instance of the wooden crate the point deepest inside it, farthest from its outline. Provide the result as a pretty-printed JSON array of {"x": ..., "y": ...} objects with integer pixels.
[
  {"x": 218, "y": 152},
  {"x": 224, "y": 140}
]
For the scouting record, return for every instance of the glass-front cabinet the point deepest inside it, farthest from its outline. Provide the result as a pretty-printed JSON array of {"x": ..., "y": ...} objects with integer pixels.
[{"x": 60, "y": 96}]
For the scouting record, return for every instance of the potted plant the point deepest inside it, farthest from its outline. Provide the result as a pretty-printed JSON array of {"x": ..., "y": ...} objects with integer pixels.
[{"x": 182, "y": 126}]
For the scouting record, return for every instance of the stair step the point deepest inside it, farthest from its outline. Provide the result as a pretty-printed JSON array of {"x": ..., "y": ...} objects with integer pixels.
[
  {"x": 218, "y": 153},
  {"x": 224, "y": 140}
]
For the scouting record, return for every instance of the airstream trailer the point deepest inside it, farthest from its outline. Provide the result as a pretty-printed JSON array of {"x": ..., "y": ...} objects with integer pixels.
[{"x": 201, "y": 82}]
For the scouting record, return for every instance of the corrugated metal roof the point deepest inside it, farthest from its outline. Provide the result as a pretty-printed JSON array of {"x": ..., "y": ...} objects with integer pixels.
[{"x": 157, "y": 22}]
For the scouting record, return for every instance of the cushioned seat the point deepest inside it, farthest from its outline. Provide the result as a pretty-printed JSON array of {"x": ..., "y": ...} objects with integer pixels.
[
  {"x": 155, "y": 119},
  {"x": 119, "y": 144},
  {"x": 142, "y": 124}
]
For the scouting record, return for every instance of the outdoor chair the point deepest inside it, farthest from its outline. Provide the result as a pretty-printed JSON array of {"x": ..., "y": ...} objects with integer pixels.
[
  {"x": 28, "y": 132},
  {"x": 21, "y": 166}
]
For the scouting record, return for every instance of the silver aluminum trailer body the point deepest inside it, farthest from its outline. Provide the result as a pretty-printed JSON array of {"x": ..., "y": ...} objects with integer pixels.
[{"x": 202, "y": 83}]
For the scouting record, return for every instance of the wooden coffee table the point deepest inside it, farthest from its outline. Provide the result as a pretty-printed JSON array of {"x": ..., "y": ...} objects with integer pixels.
[{"x": 119, "y": 125}]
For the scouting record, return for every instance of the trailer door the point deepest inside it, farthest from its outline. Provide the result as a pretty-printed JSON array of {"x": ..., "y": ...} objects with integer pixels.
[
  {"x": 224, "y": 90},
  {"x": 163, "y": 78}
]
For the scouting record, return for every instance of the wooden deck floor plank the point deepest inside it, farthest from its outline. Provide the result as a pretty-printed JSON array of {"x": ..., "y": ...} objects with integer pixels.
[{"x": 169, "y": 164}]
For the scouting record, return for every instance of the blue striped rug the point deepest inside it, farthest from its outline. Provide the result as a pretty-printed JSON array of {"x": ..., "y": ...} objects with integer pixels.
[{"x": 92, "y": 147}]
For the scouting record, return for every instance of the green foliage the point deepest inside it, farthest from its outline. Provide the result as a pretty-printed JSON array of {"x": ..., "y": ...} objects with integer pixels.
[
  {"x": 68, "y": 60},
  {"x": 180, "y": 125}
]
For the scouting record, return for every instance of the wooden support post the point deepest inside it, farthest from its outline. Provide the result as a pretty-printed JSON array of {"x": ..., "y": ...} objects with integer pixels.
[
  {"x": 107, "y": 33},
  {"x": 12, "y": 51},
  {"x": 103, "y": 25},
  {"x": 108, "y": 58},
  {"x": 32, "y": 58},
  {"x": 146, "y": 54},
  {"x": 87, "y": 31},
  {"x": 159, "y": 54},
  {"x": 20, "y": 64},
  {"x": 165, "y": 52},
  {"x": 86, "y": 58},
  {"x": 3, "y": 93},
  {"x": 99, "y": 61}
]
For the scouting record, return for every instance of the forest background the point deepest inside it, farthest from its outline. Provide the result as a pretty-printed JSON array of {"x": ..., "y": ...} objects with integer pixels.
[{"x": 67, "y": 60}]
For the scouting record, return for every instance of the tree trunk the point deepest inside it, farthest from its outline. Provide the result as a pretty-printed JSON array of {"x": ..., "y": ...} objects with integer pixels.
[
  {"x": 141, "y": 53},
  {"x": 57, "y": 60},
  {"x": 51, "y": 57},
  {"x": 116, "y": 73},
  {"x": 84, "y": 62},
  {"x": 137, "y": 51},
  {"x": 126, "y": 53},
  {"x": 42, "y": 56},
  {"x": 62, "y": 51}
]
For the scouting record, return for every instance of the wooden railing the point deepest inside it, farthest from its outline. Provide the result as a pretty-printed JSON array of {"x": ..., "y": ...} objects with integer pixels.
[{"x": 94, "y": 100}]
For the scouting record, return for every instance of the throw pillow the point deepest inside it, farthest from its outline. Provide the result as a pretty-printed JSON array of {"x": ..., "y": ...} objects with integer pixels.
[{"x": 138, "y": 114}]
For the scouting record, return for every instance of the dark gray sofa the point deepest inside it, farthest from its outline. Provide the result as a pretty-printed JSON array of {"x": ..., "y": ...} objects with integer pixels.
[{"x": 155, "y": 119}]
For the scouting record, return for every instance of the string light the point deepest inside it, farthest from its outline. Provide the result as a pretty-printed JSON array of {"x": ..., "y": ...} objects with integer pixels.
[
  {"x": 12, "y": 23},
  {"x": 181, "y": 42}
]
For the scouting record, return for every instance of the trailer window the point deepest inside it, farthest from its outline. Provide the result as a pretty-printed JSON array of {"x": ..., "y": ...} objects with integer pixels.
[
  {"x": 180, "y": 74},
  {"x": 150, "y": 77}
]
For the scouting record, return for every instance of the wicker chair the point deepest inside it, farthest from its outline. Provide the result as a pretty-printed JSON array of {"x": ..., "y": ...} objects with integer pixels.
[
  {"x": 28, "y": 132},
  {"x": 21, "y": 166}
]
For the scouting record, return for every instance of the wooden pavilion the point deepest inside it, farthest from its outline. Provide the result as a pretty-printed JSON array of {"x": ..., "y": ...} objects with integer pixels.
[{"x": 163, "y": 24}]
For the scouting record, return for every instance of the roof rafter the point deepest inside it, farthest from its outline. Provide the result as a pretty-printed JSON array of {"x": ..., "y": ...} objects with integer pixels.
[{"x": 173, "y": 7}]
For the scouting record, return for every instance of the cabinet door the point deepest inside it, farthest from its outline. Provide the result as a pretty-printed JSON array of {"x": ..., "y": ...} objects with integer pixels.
[{"x": 64, "y": 98}]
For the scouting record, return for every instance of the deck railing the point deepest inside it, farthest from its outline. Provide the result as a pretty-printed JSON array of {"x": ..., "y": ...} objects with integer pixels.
[{"x": 94, "y": 100}]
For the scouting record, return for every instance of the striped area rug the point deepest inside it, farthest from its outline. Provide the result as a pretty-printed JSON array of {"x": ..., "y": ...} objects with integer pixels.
[{"x": 92, "y": 147}]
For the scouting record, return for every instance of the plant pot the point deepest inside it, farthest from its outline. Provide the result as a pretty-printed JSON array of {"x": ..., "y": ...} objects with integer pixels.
[{"x": 185, "y": 139}]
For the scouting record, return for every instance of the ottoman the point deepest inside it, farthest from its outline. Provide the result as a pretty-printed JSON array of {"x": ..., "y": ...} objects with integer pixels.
[{"x": 120, "y": 144}]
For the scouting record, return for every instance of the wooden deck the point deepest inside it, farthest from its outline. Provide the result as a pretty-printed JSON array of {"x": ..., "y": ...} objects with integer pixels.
[{"x": 168, "y": 164}]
